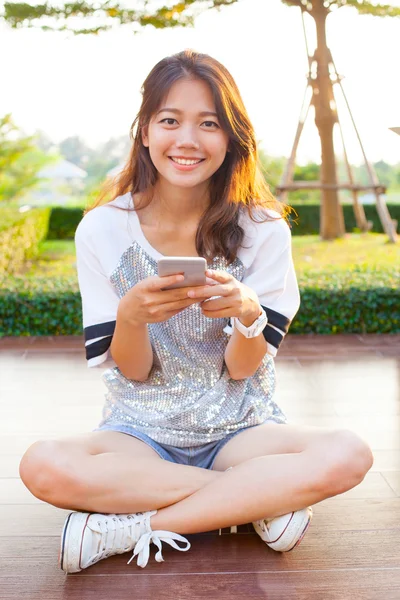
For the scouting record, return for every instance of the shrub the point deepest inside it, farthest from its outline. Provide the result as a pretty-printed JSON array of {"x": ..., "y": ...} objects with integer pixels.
[
  {"x": 362, "y": 300},
  {"x": 64, "y": 221},
  {"x": 20, "y": 234}
]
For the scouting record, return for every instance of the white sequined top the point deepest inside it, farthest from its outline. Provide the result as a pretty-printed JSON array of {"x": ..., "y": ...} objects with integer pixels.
[{"x": 189, "y": 398}]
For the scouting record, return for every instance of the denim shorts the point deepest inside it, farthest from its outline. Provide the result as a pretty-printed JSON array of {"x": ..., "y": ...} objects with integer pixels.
[{"x": 195, "y": 456}]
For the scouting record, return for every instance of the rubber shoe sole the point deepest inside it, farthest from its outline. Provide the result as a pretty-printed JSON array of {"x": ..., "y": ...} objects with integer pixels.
[
  {"x": 71, "y": 542},
  {"x": 290, "y": 537},
  {"x": 303, "y": 533}
]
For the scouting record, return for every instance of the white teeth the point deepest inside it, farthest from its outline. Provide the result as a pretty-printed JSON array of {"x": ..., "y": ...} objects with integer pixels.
[{"x": 182, "y": 161}]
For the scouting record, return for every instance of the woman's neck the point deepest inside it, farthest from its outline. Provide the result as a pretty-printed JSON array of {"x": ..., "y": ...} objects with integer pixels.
[{"x": 178, "y": 205}]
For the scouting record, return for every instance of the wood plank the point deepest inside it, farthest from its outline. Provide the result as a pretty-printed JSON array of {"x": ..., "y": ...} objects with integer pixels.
[
  {"x": 350, "y": 551},
  {"x": 393, "y": 479},
  {"x": 13, "y": 491},
  {"x": 386, "y": 460},
  {"x": 293, "y": 345},
  {"x": 373, "y": 486},
  {"x": 367, "y": 549},
  {"x": 334, "y": 514},
  {"x": 332, "y": 585}
]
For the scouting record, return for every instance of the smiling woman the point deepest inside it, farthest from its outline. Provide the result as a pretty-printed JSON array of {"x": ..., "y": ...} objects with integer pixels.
[
  {"x": 190, "y": 391},
  {"x": 193, "y": 110},
  {"x": 186, "y": 143}
]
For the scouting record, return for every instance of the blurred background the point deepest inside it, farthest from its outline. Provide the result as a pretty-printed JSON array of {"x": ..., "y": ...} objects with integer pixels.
[{"x": 71, "y": 79}]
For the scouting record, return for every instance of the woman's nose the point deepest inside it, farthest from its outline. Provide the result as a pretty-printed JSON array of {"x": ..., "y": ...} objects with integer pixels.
[
  {"x": 187, "y": 143},
  {"x": 186, "y": 138}
]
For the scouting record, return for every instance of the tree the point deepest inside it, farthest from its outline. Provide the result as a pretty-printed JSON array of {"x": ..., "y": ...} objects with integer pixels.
[
  {"x": 182, "y": 13},
  {"x": 331, "y": 221},
  {"x": 105, "y": 14},
  {"x": 20, "y": 161},
  {"x": 75, "y": 150}
]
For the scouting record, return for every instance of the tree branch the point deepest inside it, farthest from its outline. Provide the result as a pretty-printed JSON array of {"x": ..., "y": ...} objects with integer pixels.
[
  {"x": 293, "y": 2},
  {"x": 106, "y": 14},
  {"x": 368, "y": 8}
]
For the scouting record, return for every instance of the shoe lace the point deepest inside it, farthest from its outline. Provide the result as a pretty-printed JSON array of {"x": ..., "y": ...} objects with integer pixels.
[{"x": 121, "y": 533}]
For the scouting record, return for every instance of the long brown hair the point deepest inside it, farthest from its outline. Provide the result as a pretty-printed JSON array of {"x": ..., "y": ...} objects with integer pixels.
[{"x": 238, "y": 183}]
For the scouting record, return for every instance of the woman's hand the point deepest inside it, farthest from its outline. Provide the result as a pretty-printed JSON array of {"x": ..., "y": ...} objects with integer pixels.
[
  {"x": 147, "y": 302},
  {"x": 237, "y": 300}
]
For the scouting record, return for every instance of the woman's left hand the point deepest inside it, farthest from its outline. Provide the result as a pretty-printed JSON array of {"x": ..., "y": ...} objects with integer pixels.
[{"x": 237, "y": 300}]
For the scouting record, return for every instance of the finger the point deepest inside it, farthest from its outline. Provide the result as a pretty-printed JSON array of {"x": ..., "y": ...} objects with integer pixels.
[
  {"x": 178, "y": 304},
  {"x": 221, "y": 276},
  {"x": 215, "y": 290},
  {"x": 181, "y": 292},
  {"x": 215, "y": 304},
  {"x": 159, "y": 282}
]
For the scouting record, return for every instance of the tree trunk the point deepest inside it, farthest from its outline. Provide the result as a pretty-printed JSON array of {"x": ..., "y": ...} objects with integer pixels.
[{"x": 331, "y": 215}]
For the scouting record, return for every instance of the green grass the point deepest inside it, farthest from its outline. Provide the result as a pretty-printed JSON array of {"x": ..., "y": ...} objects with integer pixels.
[
  {"x": 310, "y": 254},
  {"x": 349, "y": 285},
  {"x": 355, "y": 250},
  {"x": 56, "y": 258}
]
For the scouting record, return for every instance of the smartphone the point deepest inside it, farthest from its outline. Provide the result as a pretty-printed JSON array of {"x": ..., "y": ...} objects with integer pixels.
[{"x": 192, "y": 267}]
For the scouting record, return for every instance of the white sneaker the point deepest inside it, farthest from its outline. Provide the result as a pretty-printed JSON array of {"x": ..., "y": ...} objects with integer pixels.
[
  {"x": 286, "y": 532},
  {"x": 90, "y": 537}
]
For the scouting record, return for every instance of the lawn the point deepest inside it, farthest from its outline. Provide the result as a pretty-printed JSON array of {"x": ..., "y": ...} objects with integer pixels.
[
  {"x": 356, "y": 249},
  {"x": 348, "y": 285},
  {"x": 310, "y": 254}
]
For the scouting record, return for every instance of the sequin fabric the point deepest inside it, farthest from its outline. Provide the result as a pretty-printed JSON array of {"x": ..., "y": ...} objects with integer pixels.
[{"x": 189, "y": 398}]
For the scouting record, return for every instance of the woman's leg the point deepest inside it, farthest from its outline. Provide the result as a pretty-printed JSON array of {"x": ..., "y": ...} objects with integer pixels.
[
  {"x": 276, "y": 470},
  {"x": 107, "y": 472}
]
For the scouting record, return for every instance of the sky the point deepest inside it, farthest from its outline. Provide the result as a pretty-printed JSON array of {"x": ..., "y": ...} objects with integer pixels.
[{"x": 89, "y": 86}]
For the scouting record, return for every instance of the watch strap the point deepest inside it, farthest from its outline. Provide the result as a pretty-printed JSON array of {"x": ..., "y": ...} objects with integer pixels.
[{"x": 254, "y": 329}]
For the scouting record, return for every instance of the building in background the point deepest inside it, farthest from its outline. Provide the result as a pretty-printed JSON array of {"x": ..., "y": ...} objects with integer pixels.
[{"x": 61, "y": 183}]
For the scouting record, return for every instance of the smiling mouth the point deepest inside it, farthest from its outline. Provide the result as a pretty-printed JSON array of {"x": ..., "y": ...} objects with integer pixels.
[{"x": 186, "y": 161}]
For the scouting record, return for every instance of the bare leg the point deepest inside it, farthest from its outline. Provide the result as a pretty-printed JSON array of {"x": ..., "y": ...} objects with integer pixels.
[
  {"x": 330, "y": 463},
  {"x": 291, "y": 468},
  {"x": 107, "y": 472}
]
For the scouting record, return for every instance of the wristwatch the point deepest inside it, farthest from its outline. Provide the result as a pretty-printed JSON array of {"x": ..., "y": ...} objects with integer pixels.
[{"x": 255, "y": 328}]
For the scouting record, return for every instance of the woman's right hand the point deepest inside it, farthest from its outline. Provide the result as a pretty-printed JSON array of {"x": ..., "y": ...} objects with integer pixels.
[{"x": 147, "y": 302}]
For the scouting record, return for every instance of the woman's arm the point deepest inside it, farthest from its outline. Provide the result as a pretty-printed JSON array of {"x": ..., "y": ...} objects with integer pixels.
[
  {"x": 243, "y": 355},
  {"x": 131, "y": 348}
]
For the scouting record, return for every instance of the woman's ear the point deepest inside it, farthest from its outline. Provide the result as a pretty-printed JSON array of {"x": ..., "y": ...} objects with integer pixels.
[{"x": 145, "y": 136}]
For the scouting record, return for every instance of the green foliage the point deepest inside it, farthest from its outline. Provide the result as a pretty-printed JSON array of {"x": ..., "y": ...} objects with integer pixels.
[
  {"x": 369, "y": 8},
  {"x": 359, "y": 300},
  {"x": 363, "y": 7},
  {"x": 106, "y": 14},
  {"x": 362, "y": 300},
  {"x": 40, "y": 307},
  {"x": 309, "y": 217},
  {"x": 20, "y": 234},
  {"x": 63, "y": 223},
  {"x": 272, "y": 168},
  {"x": 20, "y": 161}
]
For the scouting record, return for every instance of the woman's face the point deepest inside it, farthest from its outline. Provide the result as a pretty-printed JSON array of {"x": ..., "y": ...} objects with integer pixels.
[{"x": 185, "y": 140}]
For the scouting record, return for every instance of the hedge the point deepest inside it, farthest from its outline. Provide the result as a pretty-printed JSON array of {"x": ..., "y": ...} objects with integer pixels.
[
  {"x": 20, "y": 234},
  {"x": 361, "y": 300},
  {"x": 64, "y": 221}
]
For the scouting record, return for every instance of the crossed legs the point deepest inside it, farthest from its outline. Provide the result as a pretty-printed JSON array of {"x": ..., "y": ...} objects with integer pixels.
[{"x": 276, "y": 469}]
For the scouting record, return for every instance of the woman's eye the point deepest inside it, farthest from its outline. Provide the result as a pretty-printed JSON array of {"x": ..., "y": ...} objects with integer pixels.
[{"x": 209, "y": 124}]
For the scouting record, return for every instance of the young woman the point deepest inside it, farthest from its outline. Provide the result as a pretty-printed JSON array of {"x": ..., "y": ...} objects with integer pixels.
[{"x": 189, "y": 440}]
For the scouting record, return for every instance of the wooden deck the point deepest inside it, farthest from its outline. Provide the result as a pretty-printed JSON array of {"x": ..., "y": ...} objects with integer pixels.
[{"x": 351, "y": 551}]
